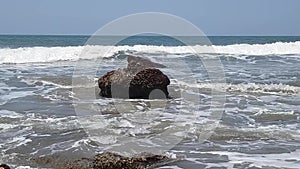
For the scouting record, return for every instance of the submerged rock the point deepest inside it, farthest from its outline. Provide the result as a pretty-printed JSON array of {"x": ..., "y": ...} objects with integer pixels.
[
  {"x": 107, "y": 161},
  {"x": 136, "y": 81}
]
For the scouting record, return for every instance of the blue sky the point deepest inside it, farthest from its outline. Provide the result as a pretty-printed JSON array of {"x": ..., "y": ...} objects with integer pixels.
[{"x": 213, "y": 17}]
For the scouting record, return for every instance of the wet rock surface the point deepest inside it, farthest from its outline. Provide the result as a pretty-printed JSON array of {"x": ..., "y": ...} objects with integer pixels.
[
  {"x": 106, "y": 161},
  {"x": 137, "y": 81},
  {"x": 115, "y": 161},
  {"x": 4, "y": 166}
]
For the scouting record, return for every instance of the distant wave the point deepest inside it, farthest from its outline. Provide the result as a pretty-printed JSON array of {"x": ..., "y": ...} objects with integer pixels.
[{"x": 52, "y": 54}]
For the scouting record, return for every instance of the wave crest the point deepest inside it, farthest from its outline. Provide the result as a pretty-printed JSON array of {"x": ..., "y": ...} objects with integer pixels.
[{"x": 73, "y": 53}]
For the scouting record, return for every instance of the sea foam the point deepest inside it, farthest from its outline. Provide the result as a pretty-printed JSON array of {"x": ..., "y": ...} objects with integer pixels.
[{"x": 74, "y": 53}]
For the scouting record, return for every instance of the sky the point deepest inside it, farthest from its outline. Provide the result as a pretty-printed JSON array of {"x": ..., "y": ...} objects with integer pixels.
[{"x": 213, "y": 17}]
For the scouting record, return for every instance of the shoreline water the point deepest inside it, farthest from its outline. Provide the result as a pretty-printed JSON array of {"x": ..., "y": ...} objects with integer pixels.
[{"x": 260, "y": 119}]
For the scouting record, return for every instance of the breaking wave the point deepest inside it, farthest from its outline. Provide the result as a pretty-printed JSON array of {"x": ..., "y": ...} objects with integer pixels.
[{"x": 73, "y": 53}]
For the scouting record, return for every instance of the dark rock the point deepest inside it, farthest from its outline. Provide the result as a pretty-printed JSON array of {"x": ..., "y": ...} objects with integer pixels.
[
  {"x": 83, "y": 163},
  {"x": 61, "y": 162},
  {"x": 115, "y": 161},
  {"x": 4, "y": 166},
  {"x": 136, "y": 64},
  {"x": 110, "y": 161},
  {"x": 136, "y": 81},
  {"x": 144, "y": 82}
]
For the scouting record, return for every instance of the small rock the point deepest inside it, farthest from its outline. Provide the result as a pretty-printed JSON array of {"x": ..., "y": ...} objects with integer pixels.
[{"x": 4, "y": 166}]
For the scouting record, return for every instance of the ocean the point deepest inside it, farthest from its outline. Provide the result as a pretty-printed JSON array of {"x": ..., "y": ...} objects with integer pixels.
[{"x": 259, "y": 124}]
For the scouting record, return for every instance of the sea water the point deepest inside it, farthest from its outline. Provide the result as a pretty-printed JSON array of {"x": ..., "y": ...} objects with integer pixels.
[{"x": 259, "y": 126}]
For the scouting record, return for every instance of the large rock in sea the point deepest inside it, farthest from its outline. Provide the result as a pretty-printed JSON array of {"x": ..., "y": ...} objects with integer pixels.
[{"x": 137, "y": 81}]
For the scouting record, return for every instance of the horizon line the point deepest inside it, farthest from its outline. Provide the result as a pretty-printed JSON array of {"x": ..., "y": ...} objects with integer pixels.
[{"x": 141, "y": 35}]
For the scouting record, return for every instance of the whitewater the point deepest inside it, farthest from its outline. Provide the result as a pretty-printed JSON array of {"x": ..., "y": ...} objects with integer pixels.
[
  {"x": 74, "y": 53},
  {"x": 258, "y": 127}
]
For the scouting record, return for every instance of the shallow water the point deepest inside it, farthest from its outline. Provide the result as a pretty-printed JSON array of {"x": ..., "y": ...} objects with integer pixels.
[{"x": 259, "y": 126}]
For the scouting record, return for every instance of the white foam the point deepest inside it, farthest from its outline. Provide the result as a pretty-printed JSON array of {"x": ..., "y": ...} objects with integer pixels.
[
  {"x": 245, "y": 88},
  {"x": 278, "y": 48},
  {"x": 25, "y": 167},
  {"x": 51, "y": 54},
  {"x": 5, "y": 126},
  {"x": 39, "y": 54},
  {"x": 268, "y": 112},
  {"x": 10, "y": 114},
  {"x": 262, "y": 160}
]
